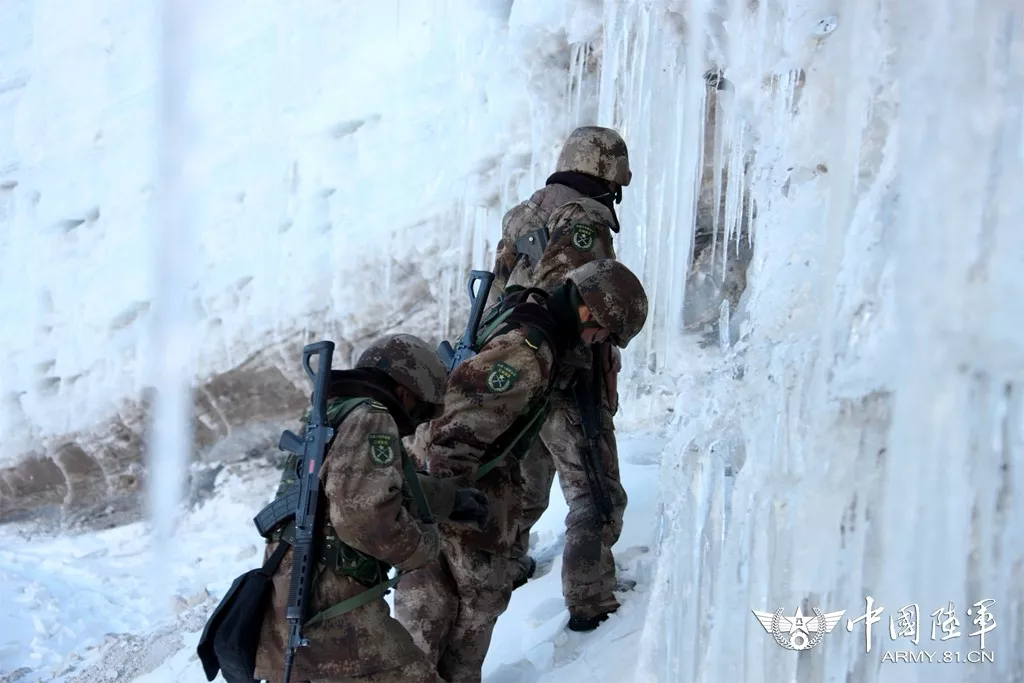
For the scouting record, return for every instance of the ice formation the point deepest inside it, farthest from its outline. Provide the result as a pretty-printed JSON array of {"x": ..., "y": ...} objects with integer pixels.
[{"x": 835, "y": 268}]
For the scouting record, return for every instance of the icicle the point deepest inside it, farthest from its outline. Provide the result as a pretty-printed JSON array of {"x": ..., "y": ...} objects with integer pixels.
[
  {"x": 719, "y": 150},
  {"x": 613, "y": 40},
  {"x": 723, "y": 324},
  {"x": 170, "y": 440}
]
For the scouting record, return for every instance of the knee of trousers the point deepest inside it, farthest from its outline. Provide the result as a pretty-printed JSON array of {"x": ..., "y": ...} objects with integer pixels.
[
  {"x": 584, "y": 517},
  {"x": 426, "y": 594}
]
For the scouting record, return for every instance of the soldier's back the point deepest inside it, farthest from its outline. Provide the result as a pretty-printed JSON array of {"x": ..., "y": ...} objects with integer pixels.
[
  {"x": 367, "y": 639},
  {"x": 579, "y": 229}
]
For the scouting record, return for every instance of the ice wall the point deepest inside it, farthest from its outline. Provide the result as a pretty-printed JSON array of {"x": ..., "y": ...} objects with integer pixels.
[
  {"x": 862, "y": 432},
  {"x": 354, "y": 159}
]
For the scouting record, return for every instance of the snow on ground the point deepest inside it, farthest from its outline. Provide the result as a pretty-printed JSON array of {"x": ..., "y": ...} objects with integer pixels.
[
  {"x": 80, "y": 608},
  {"x": 67, "y": 595}
]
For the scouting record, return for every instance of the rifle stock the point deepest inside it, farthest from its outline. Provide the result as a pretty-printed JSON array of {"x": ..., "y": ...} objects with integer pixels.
[
  {"x": 311, "y": 450},
  {"x": 532, "y": 245}
]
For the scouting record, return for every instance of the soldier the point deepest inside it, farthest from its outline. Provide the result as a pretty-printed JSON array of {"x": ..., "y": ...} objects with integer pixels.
[
  {"x": 398, "y": 383},
  {"x": 494, "y": 405},
  {"x": 574, "y": 214}
]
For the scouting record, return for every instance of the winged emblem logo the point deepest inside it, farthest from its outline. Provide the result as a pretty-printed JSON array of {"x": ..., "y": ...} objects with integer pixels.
[{"x": 800, "y": 631}]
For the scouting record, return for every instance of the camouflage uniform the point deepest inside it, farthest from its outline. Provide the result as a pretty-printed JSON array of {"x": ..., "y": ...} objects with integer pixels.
[
  {"x": 580, "y": 226},
  {"x": 450, "y": 606},
  {"x": 580, "y": 230},
  {"x": 364, "y": 488}
]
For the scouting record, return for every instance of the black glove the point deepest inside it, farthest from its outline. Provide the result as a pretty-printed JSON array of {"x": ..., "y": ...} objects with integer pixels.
[{"x": 471, "y": 506}]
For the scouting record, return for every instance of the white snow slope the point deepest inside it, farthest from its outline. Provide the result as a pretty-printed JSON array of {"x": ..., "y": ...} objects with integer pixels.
[
  {"x": 83, "y": 592},
  {"x": 858, "y": 432}
]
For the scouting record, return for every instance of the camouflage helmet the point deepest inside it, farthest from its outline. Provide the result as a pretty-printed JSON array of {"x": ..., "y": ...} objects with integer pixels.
[
  {"x": 596, "y": 151},
  {"x": 614, "y": 296},
  {"x": 411, "y": 362}
]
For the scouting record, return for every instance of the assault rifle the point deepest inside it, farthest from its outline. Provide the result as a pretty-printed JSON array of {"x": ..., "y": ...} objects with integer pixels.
[
  {"x": 588, "y": 399},
  {"x": 464, "y": 349},
  {"x": 310, "y": 449}
]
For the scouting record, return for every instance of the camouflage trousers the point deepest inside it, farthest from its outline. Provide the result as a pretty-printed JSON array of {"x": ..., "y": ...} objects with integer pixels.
[
  {"x": 588, "y": 567},
  {"x": 451, "y": 605},
  {"x": 420, "y": 671}
]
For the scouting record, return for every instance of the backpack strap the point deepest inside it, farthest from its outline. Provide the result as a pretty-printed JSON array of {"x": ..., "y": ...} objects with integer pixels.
[
  {"x": 526, "y": 424},
  {"x": 490, "y": 329},
  {"x": 274, "y": 561},
  {"x": 337, "y": 410},
  {"x": 508, "y": 313}
]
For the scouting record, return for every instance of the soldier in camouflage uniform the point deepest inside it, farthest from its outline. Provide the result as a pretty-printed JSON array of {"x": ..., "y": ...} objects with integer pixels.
[
  {"x": 494, "y": 404},
  {"x": 576, "y": 210},
  {"x": 370, "y": 524}
]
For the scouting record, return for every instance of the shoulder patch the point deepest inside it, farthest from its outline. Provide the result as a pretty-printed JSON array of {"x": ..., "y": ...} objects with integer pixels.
[
  {"x": 501, "y": 378},
  {"x": 382, "y": 448},
  {"x": 378, "y": 406},
  {"x": 534, "y": 338},
  {"x": 582, "y": 236}
]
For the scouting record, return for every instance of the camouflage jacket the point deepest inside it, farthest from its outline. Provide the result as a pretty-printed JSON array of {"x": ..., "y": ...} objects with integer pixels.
[
  {"x": 484, "y": 397},
  {"x": 579, "y": 230},
  {"x": 363, "y": 484}
]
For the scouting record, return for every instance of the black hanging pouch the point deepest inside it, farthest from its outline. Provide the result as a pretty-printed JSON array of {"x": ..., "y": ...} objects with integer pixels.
[{"x": 232, "y": 633}]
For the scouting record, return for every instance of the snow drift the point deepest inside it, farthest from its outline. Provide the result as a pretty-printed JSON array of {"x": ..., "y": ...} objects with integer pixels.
[{"x": 842, "y": 373}]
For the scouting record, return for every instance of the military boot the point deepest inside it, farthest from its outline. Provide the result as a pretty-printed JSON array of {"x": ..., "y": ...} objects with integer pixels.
[{"x": 584, "y": 624}]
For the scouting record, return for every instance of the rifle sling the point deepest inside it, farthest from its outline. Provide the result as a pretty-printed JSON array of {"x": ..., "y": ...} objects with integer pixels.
[
  {"x": 338, "y": 609},
  {"x": 356, "y": 601},
  {"x": 521, "y": 426},
  {"x": 415, "y": 490}
]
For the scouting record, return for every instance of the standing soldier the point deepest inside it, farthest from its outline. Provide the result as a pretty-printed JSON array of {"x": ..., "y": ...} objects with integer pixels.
[
  {"x": 369, "y": 527},
  {"x": 564, "y": 225},
  {"x": 494, "y": 404}
]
